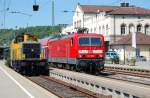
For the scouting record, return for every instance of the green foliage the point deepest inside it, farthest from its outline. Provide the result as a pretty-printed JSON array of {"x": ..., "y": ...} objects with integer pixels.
[{"x": 6, "y": 35}]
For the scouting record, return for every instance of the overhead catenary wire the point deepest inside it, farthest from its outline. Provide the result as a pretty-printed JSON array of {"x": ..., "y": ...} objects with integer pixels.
[{"x": 5, "y": 8}]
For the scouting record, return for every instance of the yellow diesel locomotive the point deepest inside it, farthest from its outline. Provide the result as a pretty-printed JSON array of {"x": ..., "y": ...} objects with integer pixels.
[{"x": 26, "y": 56}]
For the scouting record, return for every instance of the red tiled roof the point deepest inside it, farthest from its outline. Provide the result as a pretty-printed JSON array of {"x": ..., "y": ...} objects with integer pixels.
[
  {"x": 141, "y": 39},
  {"x": 95, "y": 8},
  {"x": 115, "y": 9},
  {"x": 130, "y": 10}
]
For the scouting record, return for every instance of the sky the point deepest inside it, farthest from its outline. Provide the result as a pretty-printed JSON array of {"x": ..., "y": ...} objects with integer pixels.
[{"x": 43, "y": 16}]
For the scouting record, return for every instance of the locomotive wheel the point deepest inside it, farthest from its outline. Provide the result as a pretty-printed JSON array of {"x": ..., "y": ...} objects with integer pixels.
[
  {"x": 67, "y": 67},
  {"x": 53, "y": 65},
  {"x": 72, "y": 67},
  {"x": 60, "y": 66},
  {"x": 35, "y": 70},
  {"x": 77, "y": 68},
  {"x": 18, "y": 69},
  {"x": 23, "y": 71},
  {"x": 46, "y": 71},
  {"x": 26, "y": 70},
  {"x": 63, "y": 66},
  {"x": 92, "y": 69},
  {"x": 15, "y": 66}
]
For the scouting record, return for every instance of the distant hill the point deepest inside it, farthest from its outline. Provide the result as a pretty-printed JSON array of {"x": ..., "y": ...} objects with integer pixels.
[{"x": 6, "y": 35}]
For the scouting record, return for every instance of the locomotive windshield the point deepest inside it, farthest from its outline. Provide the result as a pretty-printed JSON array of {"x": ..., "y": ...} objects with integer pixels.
[{"x": 90, "y": 41}]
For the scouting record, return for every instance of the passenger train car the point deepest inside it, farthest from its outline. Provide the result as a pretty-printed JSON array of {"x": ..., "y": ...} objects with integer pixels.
[
  {"x": 26, "y": 56},
  {"x": 79, "y": 51}
]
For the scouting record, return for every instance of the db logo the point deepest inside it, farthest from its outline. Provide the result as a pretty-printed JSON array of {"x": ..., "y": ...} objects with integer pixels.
[{"x": 90, "y": 51}]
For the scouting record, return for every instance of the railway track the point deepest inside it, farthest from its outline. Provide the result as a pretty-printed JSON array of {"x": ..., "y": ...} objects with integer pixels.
[
  {"x": 127, "y": 71},
  {"x": 129, "y": 75},
  {"x": 63, "y": 89}
]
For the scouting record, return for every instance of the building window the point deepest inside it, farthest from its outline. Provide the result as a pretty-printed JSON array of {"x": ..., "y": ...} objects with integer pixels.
[
  {"x": 103, "y": 30},
  {"x": 146, "y": 28},
  {"x": 100, "y": 29},
  {"x": 139, "y": 28},
  {"x": 75, "y": 24},
  {"x": 107, "y": 29},
  {"x": 79, "y": 23},
  {"x": 91, "y": 30},
  {"x": 94, "y": 29},
  {"x": 139, "y": 17},
  {"x": 131, "y": 28},
  {"x": 123, "y": 29},
  {"x": 123, "y": 17},
  {"x": 137, "y": 52},
  {"x": 77, "y": 13}
]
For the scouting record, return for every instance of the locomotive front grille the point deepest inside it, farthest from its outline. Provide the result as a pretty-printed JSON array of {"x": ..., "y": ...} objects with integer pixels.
[{"x": 31, "y": 50}]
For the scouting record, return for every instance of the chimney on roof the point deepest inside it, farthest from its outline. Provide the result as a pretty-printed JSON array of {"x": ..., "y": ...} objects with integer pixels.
[{"x": 124, "y": 4}]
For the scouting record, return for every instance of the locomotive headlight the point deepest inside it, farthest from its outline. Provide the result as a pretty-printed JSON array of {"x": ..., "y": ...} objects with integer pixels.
[
  {"x": 23, "y": 56},
  {"x": 97, "y": 51},
  {"x": 83, "y": 51}
]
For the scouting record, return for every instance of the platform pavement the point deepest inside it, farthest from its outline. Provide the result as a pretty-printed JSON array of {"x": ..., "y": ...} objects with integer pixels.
[
  {"x": 138, "y": 65},
  {"x": 13, "y": 85}
]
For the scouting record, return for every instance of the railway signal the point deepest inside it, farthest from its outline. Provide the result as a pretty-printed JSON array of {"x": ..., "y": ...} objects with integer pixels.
[{"x": 35, "y": 7}]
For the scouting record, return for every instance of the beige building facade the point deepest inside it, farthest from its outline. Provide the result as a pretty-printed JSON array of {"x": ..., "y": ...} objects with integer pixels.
[
  {"x": 115, "y": 23},
  {"x": 111, "y": 21}
]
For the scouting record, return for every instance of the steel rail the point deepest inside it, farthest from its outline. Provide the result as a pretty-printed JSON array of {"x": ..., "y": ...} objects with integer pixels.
[
  {"x": 130, "y": 72},
  {"x": 43, "y": 82}
]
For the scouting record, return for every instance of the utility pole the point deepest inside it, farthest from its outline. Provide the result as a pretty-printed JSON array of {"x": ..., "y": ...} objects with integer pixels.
[
  {"x": 4, "y": 13},
  {"x": 53, "y": 14}
]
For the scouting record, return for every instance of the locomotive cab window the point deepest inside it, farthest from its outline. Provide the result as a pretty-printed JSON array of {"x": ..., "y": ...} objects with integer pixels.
[
  {"x": 84, "y": 41},
  {"x": 90, "y": 41},
  {"x": 95, "y": 41},
  {"x": 19, "y": 39}
]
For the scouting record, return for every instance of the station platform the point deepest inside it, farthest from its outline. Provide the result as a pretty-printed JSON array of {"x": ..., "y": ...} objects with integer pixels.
[
  {"x": 138, "y": 65},
  {"x": 13, "y": 85}
]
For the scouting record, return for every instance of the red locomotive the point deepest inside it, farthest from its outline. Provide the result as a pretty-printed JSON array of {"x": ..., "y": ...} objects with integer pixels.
[{"x": 78, "y": 51}]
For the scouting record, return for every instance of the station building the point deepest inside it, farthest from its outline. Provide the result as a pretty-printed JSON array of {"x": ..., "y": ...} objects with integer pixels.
[{"x": 114, "y": 22}]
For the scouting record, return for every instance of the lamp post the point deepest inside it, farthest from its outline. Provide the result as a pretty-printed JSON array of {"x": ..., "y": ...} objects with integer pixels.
[
  {"x": 53, "y": 14},
  {"x": 97, "y": 12},
  {"x": 134, "y": 44},
  {"x": 15, "y": 32}
]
